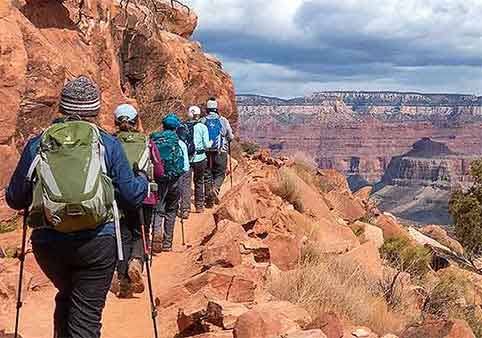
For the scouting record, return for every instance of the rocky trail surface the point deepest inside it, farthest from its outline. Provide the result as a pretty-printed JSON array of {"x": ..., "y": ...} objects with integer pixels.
[{"x": 278, "y": 258}]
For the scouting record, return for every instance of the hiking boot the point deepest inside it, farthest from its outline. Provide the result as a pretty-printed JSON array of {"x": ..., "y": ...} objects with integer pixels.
[
  {"x": 115, "y": 284},
  {"x": 135, "y": 275},
  {"x": 157, "y": 243},
  {"x": 183, "y": 214},
  {"x": 209, "y": 204},
  {"x": 167, "y": 248},
  {"x": 200, "y": 210},
  {"x": 125, "y": 290}
]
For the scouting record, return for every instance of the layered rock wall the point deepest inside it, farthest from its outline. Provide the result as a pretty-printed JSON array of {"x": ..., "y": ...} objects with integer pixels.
[
  {"x": 358, "y": 133},
  {"x": 138, "y": 54}
]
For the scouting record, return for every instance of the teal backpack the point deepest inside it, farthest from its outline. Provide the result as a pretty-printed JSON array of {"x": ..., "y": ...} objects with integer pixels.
[
  {"x": 72, "y": 191},
  {"x": 171, "y": 153}
]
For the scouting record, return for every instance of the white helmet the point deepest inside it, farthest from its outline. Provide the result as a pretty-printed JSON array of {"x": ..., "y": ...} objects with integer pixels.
[{"x": 194, "y": 111}]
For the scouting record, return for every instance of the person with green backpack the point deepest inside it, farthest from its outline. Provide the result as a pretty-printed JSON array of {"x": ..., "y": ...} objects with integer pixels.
[
  {"x": 174, "y": 155},
  {"x": 142, "y": 155},
  {"x": 68, "y": 181}
]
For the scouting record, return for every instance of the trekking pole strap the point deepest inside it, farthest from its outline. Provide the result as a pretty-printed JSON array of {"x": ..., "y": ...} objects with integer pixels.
[{"x": 118, "y": 234}]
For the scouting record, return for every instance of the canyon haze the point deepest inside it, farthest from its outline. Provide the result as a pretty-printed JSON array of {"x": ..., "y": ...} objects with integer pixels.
[{"x": 413, "y": 148}]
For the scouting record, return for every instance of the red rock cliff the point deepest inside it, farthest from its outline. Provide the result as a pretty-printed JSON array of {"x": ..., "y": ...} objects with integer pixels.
[{"x": 139, "y": 54}]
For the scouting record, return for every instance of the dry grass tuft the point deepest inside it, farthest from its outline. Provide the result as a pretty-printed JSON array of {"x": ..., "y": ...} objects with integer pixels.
[
  {"x": 321, "y": 285},
  {"x": 287, "y": 189}
]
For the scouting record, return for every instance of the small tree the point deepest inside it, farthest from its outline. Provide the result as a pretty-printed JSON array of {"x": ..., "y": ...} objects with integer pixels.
[{"x": 466, "y": 210}]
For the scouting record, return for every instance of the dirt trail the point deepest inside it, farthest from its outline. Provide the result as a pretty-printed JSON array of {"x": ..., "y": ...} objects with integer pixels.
[{"x": 123, "y": 318}]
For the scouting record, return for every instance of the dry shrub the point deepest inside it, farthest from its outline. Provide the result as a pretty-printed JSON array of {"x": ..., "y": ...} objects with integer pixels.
[
  {"x": 287, "y": 189},
  {"x": 404, "y": 256},
  {"x": 452, "y": 298},
  {"x": 321, "y": 284}
]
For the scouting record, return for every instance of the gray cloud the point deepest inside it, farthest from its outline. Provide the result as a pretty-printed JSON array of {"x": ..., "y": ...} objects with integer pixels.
[{"x": 292, "y": 47}]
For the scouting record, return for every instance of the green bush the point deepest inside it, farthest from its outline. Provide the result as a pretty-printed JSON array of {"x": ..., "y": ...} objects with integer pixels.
[
  {"x": 466, "y": 210},
  {"x": 403, "y": 255},
  {"x": 250, "y": 148}
]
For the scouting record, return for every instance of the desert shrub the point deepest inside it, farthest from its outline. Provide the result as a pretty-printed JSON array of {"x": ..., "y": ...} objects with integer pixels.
[
  {"x": 404, "y": 256},
  {"x": 308, "y": 172},
  {"x": 8, "y": 226},
  {"x": 237, "y": 150},
  {"x": 466, "y": 210},
  {"x": 287, "y": 189},
  {"x": 446, "y": 299},
  {"x": 321, "y": 284},
  {"x": 451, "y": 299},
  {"x": 249, "y": 148}
]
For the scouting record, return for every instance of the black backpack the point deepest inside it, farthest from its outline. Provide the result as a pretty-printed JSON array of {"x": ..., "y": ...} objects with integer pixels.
[{"x": 186, "y": 134}]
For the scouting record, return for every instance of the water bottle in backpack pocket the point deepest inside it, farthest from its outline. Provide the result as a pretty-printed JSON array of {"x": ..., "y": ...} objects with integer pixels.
[
  {"x": 167, "y": 143},
  {"x": 215, "y": 127}
]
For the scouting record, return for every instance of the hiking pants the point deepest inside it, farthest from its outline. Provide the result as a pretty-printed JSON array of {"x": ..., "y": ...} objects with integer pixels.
[
  {"x": 185, "y": 190},
  {"x": 167, "y": 207},
  {"x": 132, "y": 243},
  {"x": 198, "y": 169},
  {"x": 82, "y": 271},
  {"x": 215, "y": 174}
]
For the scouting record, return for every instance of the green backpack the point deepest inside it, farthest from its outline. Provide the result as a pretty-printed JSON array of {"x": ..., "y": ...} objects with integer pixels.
[
  {"x": 72, "y": 191},
  {"x": 136, "y": 147}
]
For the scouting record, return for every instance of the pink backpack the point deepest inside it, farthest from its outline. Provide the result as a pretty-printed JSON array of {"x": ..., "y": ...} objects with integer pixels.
[{"x": 158, "y": 165}]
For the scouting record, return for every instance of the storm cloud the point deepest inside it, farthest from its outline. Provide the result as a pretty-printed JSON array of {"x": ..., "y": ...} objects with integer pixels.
[{"x": 293, "y": 47}]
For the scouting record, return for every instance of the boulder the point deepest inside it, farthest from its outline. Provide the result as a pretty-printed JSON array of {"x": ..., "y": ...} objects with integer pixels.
[
  {"x": 271, "y": 319},
  {"x": 439, "y": 329},
  {"x": 224, "y": 314},
  {"x": 246, "y": 203},
  {"x": 422, "y": 239},
  {"x": 329, "y": 323},
  {"x": 306, "y": 334},
  {"x": 367, "y": 258},
  {"x": 220, "y": 334},
  {"x": 390, "y": 227},
  {"x": 364, "y": 193},
  {"x": 259, "y": 250},
  {"x": 284, "y": 250},
  {"x": 368, "y": 232},
  {"x": 441, "y": 236}
]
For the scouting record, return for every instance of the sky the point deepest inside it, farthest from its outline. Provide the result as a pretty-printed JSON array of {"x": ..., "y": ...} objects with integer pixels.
[{"x": 290, "y": 48}]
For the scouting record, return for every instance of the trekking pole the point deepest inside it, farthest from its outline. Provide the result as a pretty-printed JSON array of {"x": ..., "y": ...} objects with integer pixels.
[
  {"x": 148, "y": 269},
  {"x": 182, "y": 232},
  {"x": 20, "y": 277},
  {"x": 230, "y": 164}
]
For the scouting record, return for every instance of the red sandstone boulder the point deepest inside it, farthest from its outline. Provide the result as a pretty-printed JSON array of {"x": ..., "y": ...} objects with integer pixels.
[
  {"x": 329, "y": 323},
  {"x": 439, "y": 329},
  {"x": 306, "y": 334},
  {"x": 284, "y": 250},
  {"x": 366, "y": 258},
  {"x": 367, "y": 232},
  {"x": 271, "y": 319},
  {"x": 441, "y": 236},
  {"x": 391, "y": 228},
  {"x": 224, "y": 314}
]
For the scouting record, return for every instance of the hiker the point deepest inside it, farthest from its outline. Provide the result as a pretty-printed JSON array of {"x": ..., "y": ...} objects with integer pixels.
[
  {"x": 196, "y": 137},
  {"x": 73, "y": 210},
  {"x": 174, "y": 154},
  {"x": 142, "y": 155},
  {"x": 220, "y": 134}
]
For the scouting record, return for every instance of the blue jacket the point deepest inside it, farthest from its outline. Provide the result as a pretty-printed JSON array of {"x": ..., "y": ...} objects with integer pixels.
[
  {"x": 130, "y": 190},
  {"x": 201, "y": 141}
]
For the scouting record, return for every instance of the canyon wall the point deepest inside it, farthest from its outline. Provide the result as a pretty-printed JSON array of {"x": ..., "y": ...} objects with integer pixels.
[
  {"x": 137, "y": 51},
  {"x": 359, "y": 132}
]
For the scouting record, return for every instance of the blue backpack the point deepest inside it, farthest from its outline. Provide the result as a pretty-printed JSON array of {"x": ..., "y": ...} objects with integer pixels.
[
  {"x": 171, "y": 153},
  {"x": 214, "y": 128}
]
